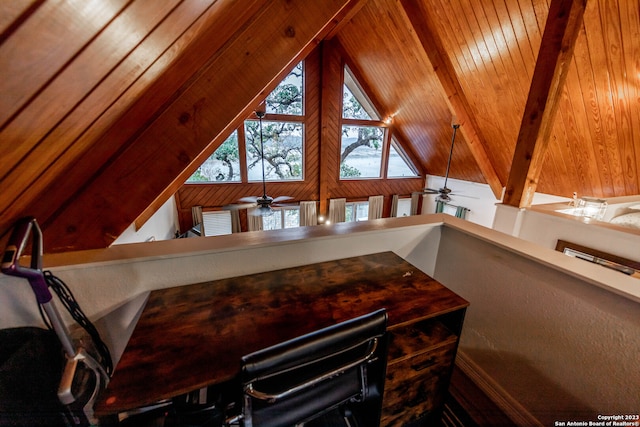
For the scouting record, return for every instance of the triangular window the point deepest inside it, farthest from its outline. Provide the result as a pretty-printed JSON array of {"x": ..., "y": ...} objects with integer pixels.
[
  {"x": 355, "y": 104},
  {"x": 399, "y": 164}
]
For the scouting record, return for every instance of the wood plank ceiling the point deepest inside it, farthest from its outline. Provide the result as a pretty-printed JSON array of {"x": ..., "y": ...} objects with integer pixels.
[{"x": 106, "y": 106}]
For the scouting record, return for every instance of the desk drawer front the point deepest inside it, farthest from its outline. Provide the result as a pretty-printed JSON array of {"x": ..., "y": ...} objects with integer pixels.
[{"x": 417, "y": 385}]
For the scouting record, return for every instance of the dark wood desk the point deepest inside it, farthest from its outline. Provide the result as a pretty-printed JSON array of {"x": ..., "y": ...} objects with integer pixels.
[{"x": 192, "y": 336}]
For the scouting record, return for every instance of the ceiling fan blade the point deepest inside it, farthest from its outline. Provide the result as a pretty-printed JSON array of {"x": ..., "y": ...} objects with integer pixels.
[
  {"x": 285, "y": 205},
  {"x": 249, "y": 199},
  {"x": 464, "y": 195},
  {"x": 426, "y": 191},
  {"x": 282, "y": 198},
  {"x": 239, "y": 206}
]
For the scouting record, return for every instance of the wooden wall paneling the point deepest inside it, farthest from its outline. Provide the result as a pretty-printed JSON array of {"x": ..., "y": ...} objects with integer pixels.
[
  {"x": 585, "y": 112},
  {"x": 590, "y": 113},
  {"x": 421, "y": 20},
  {"x": 496, "y": 98},
  {"x": 81, "y": 92},
  {"x": 612, "y": 30},
  {"x": 124, "y": 118},
  {"x": 260, "y": 51},
  {"x": 330, "y": 119},
  {"x": 459, "y": 53},
  {"x": 73, "y": 102},
  {"x": 82, "y": 143},
  {"x": 580, "y": 169},
  {"x": 563, "y": 24},
  {"x": 13, "y": 14},
  {"x": 513, "y": 87},
  {"x": 87, "y": 70},
  {"x": 597, "y": 46},
  {"x": 534, "y": 13},
  {"x": 527, "y": 43},
  {"x": 313, "y": 93},
  {"x": 500, "y": 101},
  {"x": 503, "y": 28},
  {"x": 35, "y": 53},
  {"x": 34, "y": 58},
  {"x": 630, "y": 24}
]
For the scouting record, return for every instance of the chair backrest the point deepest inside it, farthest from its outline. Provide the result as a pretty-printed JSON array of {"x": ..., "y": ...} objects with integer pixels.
[{"x": 299, "y": 379}]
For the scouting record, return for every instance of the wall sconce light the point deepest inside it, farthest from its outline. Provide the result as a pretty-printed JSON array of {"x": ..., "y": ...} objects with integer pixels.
[{"x": 592, "y": 207}]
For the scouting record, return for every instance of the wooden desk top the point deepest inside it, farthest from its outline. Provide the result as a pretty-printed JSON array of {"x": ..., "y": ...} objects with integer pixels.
[{"x": 192, "y": 336}]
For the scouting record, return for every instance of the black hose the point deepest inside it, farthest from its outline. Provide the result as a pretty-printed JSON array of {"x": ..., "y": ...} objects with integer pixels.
[{"x": 67, "y": 299}]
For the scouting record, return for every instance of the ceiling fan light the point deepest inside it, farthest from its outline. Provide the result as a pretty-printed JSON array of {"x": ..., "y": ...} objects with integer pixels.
[{"x": 264, "y": 210}]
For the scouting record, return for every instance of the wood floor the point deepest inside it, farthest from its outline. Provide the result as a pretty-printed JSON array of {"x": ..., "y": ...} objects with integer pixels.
[{"x": 468, "y": 406}]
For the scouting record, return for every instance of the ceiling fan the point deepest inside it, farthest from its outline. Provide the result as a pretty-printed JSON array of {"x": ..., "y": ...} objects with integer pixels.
[
  {"x": 444, "y": 192},
  {"x": 263, "y": 204}
]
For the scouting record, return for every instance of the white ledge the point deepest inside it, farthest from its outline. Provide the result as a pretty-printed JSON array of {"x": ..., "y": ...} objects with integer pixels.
[{"x": 613, "y": 281}]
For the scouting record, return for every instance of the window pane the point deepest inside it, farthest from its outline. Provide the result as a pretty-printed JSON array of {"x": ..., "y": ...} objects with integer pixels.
[
  {"x": 291, "y": 218},
  {"x": 348, "y": 214},
  {"x": 282, "y": 150},
  {"x": 355, "y": 104},
  {"x": 351, "y": 107},
  {"x": 222, "y": 166},
  {"x": 287, "y": 97},
  {"x": 272, "y": 222},
  {"x": 216, "y": 223},
  {"x": 361, "y": 153},
  {"x": 398, "y": 164},
  {"x": 362, "y": 211},
  {"x": 404, "y": 207}
]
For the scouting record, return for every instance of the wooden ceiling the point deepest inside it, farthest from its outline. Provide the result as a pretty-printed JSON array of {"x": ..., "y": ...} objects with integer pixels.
[{"x": 107, "y": 106}]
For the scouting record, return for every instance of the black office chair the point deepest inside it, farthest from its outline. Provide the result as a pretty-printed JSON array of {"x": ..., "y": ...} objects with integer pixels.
[{"x": 333, "y": 376}]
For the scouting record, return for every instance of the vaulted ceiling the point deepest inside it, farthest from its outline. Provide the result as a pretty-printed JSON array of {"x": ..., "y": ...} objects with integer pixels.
[{"x": 107, "y": 106}]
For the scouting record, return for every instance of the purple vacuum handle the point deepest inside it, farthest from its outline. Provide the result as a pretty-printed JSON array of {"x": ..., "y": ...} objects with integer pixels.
[{"x": 13, "y": 252}]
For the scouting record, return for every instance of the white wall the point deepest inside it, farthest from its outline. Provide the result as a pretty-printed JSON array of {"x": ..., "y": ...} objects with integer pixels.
[
  {"x": 475, "y": 196},
  {"x": 161, "y": 226},
  {"x": 564, "y": 349}
]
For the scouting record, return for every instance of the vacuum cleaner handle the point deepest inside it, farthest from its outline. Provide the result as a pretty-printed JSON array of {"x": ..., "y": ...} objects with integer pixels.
[
  {"x": 11, "y": 258},
  {"x": 34, "y": 274}
]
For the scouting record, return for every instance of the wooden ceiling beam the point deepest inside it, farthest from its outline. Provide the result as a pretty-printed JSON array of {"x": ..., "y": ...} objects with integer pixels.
[
  {"x": 564, "y": 21},
  {"x": 419, "y": 18},
  {"x": 234, "y": 78}
]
